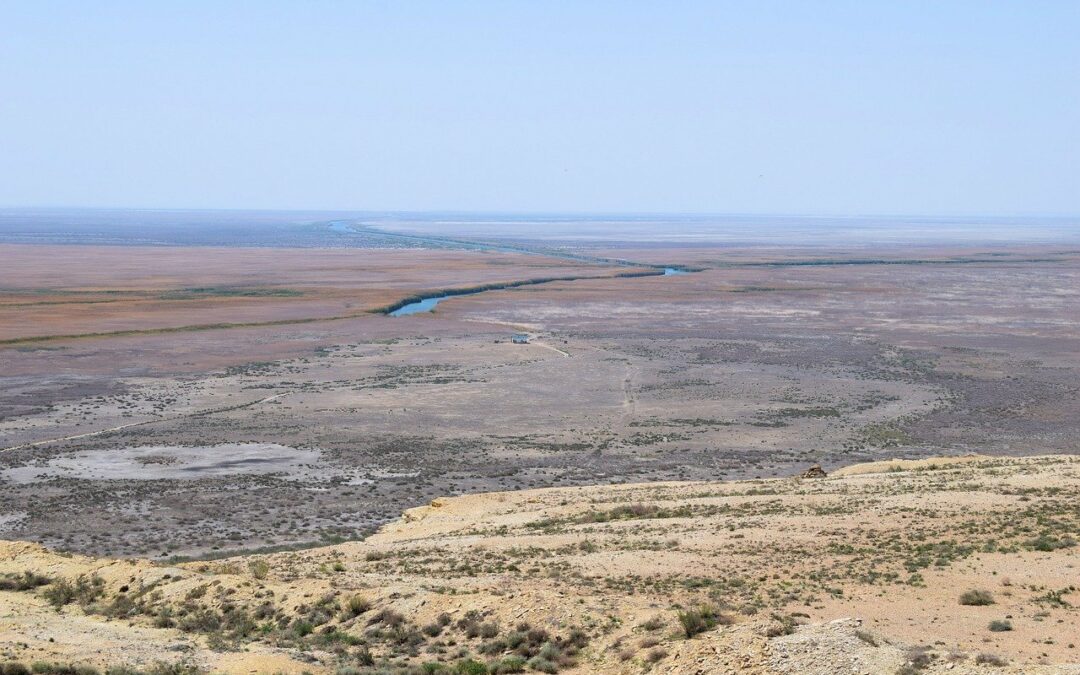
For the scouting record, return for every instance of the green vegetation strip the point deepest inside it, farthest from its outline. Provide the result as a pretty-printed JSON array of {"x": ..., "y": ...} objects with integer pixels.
[{"x": 472, "y": 290}]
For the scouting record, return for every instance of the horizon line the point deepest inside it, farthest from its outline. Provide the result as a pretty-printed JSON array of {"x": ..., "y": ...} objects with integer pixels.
[{"x": 558, "y": 213}]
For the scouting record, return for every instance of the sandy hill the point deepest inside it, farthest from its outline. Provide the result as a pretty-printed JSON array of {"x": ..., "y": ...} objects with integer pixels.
[{"x": 954, "y": 565}]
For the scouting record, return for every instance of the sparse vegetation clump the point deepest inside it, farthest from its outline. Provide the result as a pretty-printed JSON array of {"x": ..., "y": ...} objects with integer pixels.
[
  {"x": 355, "y": 606},
  {"x": 53, "y": 668},
  {"x": 27, "y": 581},
  {"x": 1047, "y": 542},
  {"x": 976, "y": 598},
  {"x": 986, "y": 659},
  {"x": 918, "y": 660},
  {"x": 83, "y": 591},
  {"x": 784, "y": 625},
  {"x": 259, "y": 568},
  {"x": 703, "y": 618}
]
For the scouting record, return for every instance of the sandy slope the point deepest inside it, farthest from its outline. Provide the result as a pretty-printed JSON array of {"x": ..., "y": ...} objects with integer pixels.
[{"x": 850, "y": 573}]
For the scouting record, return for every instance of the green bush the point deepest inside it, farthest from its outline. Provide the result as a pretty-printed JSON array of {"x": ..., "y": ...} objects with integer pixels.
[
  {"x": 1048, "y": 542},
  {"x": 705, "y": 617},
  {"x": 470, "y": 667},
  {"x": 508, "y": 664},
  {"x": 302, "y": 628},
  {"x": 84, "y": 591},
  {"x": 543, "y": 665},
  {"x": 259, "y": 568}
]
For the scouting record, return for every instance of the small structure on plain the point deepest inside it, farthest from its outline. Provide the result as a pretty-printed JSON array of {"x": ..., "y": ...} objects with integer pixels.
[{"x": 520, "y": 338}]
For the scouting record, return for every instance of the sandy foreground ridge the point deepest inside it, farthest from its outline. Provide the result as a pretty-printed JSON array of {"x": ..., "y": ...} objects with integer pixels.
[{"x": 958, "y": 565}]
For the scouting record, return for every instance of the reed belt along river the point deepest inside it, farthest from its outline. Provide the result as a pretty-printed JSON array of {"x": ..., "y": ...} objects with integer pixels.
[
  {"x": 421, "y": 303},
  {"x": 417, "y": 304}
]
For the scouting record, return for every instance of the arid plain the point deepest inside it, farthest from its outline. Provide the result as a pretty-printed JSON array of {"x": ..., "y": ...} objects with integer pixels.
[{"x": 178, "y": 402}]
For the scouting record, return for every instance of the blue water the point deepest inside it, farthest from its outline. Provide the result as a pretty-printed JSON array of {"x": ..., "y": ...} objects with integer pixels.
[
  {"x": 428, "y": 304},
  {"x": 425, "y": 305}
]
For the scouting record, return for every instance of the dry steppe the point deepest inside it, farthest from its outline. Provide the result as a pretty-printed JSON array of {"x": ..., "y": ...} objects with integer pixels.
[
  {"x": 959, "y": 565},
  {"x": 174, "y": 401}
]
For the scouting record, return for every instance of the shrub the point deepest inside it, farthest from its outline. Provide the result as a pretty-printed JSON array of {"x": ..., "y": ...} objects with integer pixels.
[
  {"x": 196, "y": 593},
  {"x": 201, "y": 621},
  {"x": 27, "y": 581},
  {"x": 536, "y": 636},
  {"x": 1000, "y": 626},
  {"x": 432, "y": 630},
  {"x": 14, "y": 668},
  {"x": 549, "y": 652},
  {"x": 976, "y": 598},
  {"x": 364, "y": 657},
  {"x": 918, "y": 660},
  {"x": 60, "y": 593},
  {"x": 493, "y": 647},
  {"x": 985, "y": 659},
  {"x": 259, "y": 568},
  {"x": 655, "y": 655},
  {"x": 508, "y": 664},
  {"x": 61, "y": 669},
  {"x": 514, "y": 639},
  {"x": 695, "y": 621},
  {"x": 1056, "y": 598},
  {"x": 785, "y": 625},
  {"x": 577, "y": 638},
  {"x": 387, "y": 617},
  {"x": 1048, "y": 542},
  {"x": 84, "y": 591},
  {"x": 162, "y": 668},
  {"x": 543, "y": 665},
  {"x": 355, "y": 606},
  {"x": 470, "y": 667}
]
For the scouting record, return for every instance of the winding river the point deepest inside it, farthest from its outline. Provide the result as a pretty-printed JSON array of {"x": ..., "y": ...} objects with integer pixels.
[
  {"x": 428, "y": 304},
  {"x": 423, "y": 304}
]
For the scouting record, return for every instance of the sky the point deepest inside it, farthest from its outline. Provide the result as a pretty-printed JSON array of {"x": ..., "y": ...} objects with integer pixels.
[{"x": 794, "y": 107}]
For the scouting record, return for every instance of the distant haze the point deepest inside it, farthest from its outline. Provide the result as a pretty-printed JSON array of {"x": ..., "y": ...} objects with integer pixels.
[{"x": 712, "y": 107}]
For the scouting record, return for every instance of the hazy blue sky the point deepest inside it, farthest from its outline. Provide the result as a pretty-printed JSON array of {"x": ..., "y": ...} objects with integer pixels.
[{"x": 769, "y": 107}]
